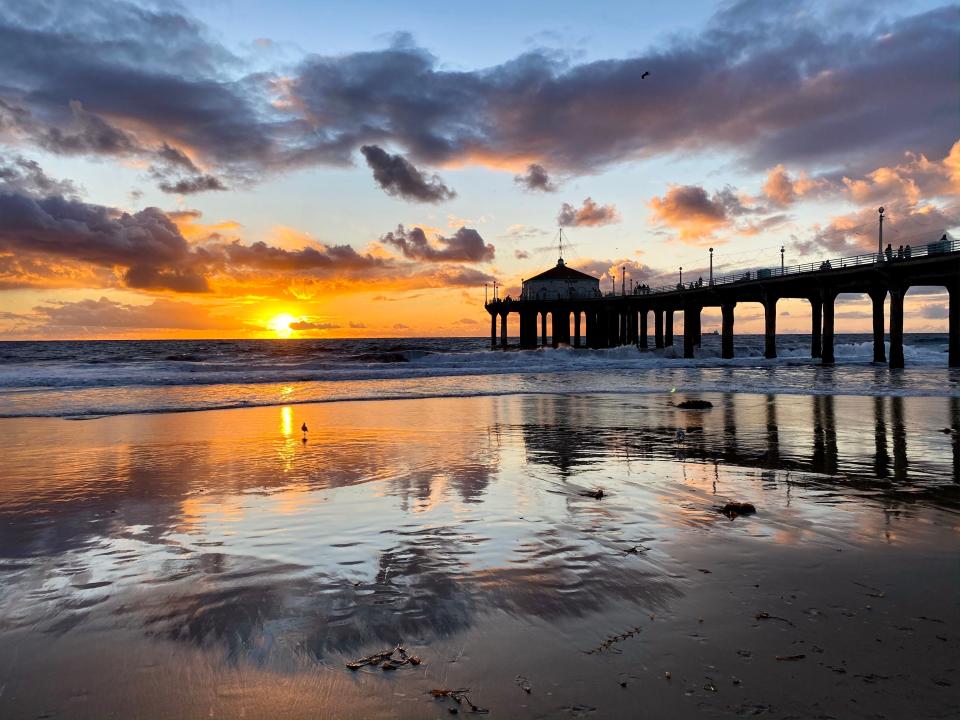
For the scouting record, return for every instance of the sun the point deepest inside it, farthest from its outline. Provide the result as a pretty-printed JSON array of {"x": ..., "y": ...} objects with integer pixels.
[{"x": 279, "y": 325}]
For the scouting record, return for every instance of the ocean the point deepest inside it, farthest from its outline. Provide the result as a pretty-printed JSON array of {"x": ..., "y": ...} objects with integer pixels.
[{"x": 86, "y": 379}]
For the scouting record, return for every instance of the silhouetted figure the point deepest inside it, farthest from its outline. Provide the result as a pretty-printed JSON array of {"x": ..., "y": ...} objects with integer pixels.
[
  {"x": 889, "y": 252},
  {"x": 907, "y": 252},
  {"x": 304, "y": 429},
  {"x": 680, "y": 437},
  {"x": 900, "y": 253}
]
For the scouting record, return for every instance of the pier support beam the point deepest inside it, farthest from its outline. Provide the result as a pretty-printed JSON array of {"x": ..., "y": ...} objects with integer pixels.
[
  {"x": 954, "y": 346},
  {"x": 827, "y": 299},
  {"x": 770, "y": 330},
  {"x": 562, "y": 327},
  {"x": 526, "y": 321},
  {"x": 493, "y": 331},
  {"x": 896, "y": 327},
  {"x": 577, "y": 342},
  {"x": 816, "y": 327},
  {"x": 503, "y": 330},
  {"x": 691, "y": 316},
  {"x": 879, "y": 351},
  {"x": 726, "y": 339},
  {"x": 668, "y": 328},
  {"x": 643, "y": 330},
  {"x": 543, "y": 328},
  {"x": 658, "y": 329}
]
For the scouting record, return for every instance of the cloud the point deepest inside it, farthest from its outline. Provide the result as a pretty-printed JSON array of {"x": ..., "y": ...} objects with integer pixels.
[
  {"x": 521, "y": 254},
  {"x": 187, "y": 186},
  {"x": 856, "y": 232},
  {"x": 401, "y": 326},
  {"x": 607, "y": 269},
  {"x": 148, "y": 244},
  {"x": 913, "y": 179},
  {"x": 357, "y": 325},
  {"x": 466, "y": 245},
  {"x": 792, "y": 83},
  {"x": 307, "y": 325},
  {"x": 23, "y": 175},
  {"x": 57, "y": 240},
  {"x": 590, "y": 214},
  {"x": 106, "y": 314},
  {"x": 694, "y": 215},
  {"x": 935, "y": 311},
  {"x": 397, "y": 176},
  {"x": 535, "y": 178},
  {"x": 781, "y": 189},
  {"x": 465, "y": 321}
]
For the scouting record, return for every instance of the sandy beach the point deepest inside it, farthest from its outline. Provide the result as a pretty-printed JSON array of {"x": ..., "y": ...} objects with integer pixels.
[{"x": 213, "y": 564}]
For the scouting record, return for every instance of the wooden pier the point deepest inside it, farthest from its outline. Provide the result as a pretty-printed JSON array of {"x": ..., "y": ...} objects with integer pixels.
[{"x": 612, "y": 320}]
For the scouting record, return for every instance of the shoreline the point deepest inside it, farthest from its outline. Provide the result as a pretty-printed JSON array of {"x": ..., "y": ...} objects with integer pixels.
[{"x": 638, "y": 392}]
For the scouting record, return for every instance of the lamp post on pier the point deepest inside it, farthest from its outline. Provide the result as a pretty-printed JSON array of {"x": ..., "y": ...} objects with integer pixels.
[
  {"x": 681, "y": 276},
  {"x": 711, "y": 266},
  {"x": 781, "y": 260},
  {"x": 880, "y": 239}
]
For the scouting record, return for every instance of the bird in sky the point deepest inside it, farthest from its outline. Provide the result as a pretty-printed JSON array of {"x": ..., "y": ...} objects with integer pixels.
[{"x": 645, "y": 73}]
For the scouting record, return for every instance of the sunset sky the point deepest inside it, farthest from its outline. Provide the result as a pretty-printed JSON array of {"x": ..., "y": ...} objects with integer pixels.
[{"x": 235, "y": 168}]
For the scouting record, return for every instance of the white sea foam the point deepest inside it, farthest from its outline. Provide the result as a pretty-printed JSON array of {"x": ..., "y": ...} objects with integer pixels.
[{"x": 95, "y": 380}]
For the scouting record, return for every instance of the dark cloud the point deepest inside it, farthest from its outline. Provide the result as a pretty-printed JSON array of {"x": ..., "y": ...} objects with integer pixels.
[
  {"x": 186, "y": 186},
  {"x": 340, "y": 258},
  {"x": 590, "y": 214},
  {"x": 797, "y": 83},
  {"x": 397, "y": 176},
  {"x": 23, "y": 175},
  {"x": 535, "y": 178},
  {"x": 466, "y": 245},
  {"x": 148, "y": 243},
  {"x": 54, "y": 240}
]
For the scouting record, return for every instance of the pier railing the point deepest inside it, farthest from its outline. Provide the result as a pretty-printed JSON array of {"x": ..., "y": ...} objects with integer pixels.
[{"x": 911, "y": 252}]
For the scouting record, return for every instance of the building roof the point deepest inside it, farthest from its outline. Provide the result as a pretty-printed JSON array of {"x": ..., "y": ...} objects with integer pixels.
[{"x": 562, "y": 272}]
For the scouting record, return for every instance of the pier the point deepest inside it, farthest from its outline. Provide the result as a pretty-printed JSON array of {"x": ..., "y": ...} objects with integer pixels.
[{"x": 611, "y": 320}]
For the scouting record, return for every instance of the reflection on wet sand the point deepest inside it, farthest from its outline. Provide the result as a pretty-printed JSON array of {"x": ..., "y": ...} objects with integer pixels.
[{"x": 224, "y": 532}]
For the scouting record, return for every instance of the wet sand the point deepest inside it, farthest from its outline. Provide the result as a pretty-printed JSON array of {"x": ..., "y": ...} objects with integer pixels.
[{"x": 212, "y": 564}]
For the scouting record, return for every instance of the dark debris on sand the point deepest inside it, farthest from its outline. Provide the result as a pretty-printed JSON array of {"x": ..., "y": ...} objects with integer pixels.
[
  {"x": 459, "y": 696},
  {"x": 694, "y": 405},
  {"x": 735, "y": 509},
  {"x": 386, "y": 660}
]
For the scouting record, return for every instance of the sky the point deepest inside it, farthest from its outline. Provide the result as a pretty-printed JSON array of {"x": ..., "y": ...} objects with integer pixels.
[{"x": 233, "y": 168}]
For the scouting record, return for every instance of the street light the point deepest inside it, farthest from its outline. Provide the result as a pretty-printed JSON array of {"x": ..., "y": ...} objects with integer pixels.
[
  {"x": 623, "y": 280},
  {"x": 781, "y": 259},
  {"x": 681, "y": 274},
  {"x": 711, "y": 266},
  {"x": 880, "y": 245}
]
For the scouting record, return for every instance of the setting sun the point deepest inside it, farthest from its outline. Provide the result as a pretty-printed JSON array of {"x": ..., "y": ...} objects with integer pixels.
[{"x": 279, "y": 325}]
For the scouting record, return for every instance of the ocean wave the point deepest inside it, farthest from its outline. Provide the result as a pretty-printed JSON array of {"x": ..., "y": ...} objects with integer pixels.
[{"x": 93, "y": 380}]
